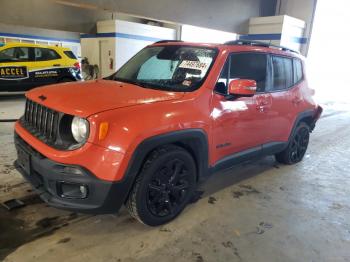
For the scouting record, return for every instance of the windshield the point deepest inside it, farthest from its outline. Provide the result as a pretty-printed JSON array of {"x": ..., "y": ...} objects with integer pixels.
[{"x": 171, "y": 68}]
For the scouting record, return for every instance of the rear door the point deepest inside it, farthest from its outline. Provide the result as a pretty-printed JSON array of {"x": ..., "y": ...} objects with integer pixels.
[
  {"x": 14, "y": 70},
  {"x": 285, "y": 98},
  {"x": 241, "y": 124},
  {"x": 46, "y": 68}
]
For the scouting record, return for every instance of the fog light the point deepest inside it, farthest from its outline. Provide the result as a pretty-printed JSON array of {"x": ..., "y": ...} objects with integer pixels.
[
  {"x": 72, "y": 170},
  {"x": 83, "y": 190},
  {"x": 70, "y": 190}
]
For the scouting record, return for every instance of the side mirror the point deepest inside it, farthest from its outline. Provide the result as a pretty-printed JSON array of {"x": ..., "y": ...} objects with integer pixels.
[{"x": 242, "y": 87}]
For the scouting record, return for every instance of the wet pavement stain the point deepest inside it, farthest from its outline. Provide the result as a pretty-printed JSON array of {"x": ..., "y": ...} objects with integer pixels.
[
  {"x": 212, "y": 200},
  {"x": 229, "y": 244},
  {"x": 164, "y": 229},
  {"x": 7, "y": 169},
  {"x": 64, "y": 240},
  {"x": 16, "y": 232},
  {"x": 262, "y": 227},
  {"x": 237, "y": 194},
  {"x": 47, "y": 222},
  {"x": 245, "y": 190},
  {"x": 32, "y": 199},
  {"x": 198, "y": 257},
  {"x": 7, "y": 187}
]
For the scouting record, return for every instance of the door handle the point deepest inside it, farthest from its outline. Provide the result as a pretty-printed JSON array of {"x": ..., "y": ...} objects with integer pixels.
[
  {"x": 297, "y": 100},
  {"x": 56, "y": 65},
  {"x": 261, "y": 108},
  {"x": 262, "y": 105}
]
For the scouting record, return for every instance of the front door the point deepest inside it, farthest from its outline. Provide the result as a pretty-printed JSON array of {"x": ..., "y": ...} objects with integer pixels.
[
  {"x": 240, "y": 124},
  {"x": 14, "y": 71}
]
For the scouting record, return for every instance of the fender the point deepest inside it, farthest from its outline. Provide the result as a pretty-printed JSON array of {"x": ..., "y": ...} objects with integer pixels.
[
  {"x": 311, "y": 116},
  {"x": 194, "y": 140}
]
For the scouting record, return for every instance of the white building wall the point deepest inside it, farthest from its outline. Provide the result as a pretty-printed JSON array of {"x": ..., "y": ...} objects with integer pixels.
[
  {"x": 117, "y": 41},
  {"x": 278, "y": 30},
  {"x": 204, "y": 35},
  {"x": 301, "y": 9}
]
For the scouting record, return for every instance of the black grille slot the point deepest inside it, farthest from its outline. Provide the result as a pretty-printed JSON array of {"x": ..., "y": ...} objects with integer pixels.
[{"x": 41, "y": 121}]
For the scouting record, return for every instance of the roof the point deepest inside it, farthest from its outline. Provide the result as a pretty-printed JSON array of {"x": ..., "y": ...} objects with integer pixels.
[
  {"x": 239, "y": 46},
  {"x": 17, "y": 44}
]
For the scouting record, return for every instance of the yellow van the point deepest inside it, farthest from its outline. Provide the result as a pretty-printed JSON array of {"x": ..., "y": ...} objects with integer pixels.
[{"x": 24, "y": 66}]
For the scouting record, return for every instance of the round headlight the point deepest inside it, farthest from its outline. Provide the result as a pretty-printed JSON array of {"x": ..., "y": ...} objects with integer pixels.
[{"x": 80, "y": 129}]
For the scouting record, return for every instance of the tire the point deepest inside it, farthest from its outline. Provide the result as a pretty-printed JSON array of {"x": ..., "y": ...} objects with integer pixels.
[
  {"x": 164, "y": 186},
  {"x": 297, "y": 146}
]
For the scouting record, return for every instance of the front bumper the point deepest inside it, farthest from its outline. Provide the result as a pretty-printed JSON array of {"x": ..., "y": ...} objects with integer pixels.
[{"x": 47, "y": 178}]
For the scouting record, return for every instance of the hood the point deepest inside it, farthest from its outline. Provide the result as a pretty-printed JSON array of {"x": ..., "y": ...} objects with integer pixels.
[{"x": 86, "y": 98}]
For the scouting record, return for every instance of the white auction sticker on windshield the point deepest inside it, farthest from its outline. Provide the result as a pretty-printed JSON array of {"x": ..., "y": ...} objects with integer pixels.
[{"x": 194, "y": 65}]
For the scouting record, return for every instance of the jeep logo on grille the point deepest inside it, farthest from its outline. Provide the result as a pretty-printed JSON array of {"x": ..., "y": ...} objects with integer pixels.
[
  {"x": 42, "y": 97},
  {"x": 13, "y": 72}
]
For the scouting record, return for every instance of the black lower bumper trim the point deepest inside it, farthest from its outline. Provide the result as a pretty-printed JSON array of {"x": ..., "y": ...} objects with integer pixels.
[{"x": 46, "y": 175}]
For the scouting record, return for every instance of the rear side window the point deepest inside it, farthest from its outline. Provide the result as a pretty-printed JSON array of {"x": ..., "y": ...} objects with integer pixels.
[
  {"x": 15, "y": 54},
  {"x": 282, "y": 72},
  {"x": 243, "y": 66},
  {"x": 298, "y": 71},
  {"x": 70, "y": 54},
  {"x": 45, "y": 54}
]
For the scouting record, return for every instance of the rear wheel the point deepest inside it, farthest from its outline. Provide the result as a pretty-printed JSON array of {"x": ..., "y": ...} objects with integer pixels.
[
  {"x": 164, "y": 186},
  {"x": 297, "y": 146}
]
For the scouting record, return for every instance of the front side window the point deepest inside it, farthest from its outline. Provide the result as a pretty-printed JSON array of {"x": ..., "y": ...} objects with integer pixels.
[
  {"x": 14, "y": 54},
  {"x": 171, "y": 68},
  {"x": 282, "y": 73},
  {"x": 45, "y": 54},
  {"x": 251, "y": 66},
  {"x": 222, "y": 84}
]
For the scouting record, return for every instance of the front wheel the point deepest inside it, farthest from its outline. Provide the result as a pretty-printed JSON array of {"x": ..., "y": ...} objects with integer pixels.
[
  {"x": 164, "y": 186},
  {"x": 297, "y": 146}
]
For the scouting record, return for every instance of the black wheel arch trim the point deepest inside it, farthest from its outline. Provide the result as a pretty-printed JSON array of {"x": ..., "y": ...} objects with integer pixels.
[
  {"x": 311, "y": 116},
  {"x": 193, "y": 140}
]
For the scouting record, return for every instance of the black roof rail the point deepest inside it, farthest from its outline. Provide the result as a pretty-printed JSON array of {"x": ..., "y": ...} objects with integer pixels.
[
  {"x": 167, "y": 41},
  {"x": 258, "y": 43}
]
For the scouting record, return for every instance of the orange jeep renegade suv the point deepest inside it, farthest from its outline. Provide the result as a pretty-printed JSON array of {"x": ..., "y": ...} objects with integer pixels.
[{"x": 173, "y": 114}]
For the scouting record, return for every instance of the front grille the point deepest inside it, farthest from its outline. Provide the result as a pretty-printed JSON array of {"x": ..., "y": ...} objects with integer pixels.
[{"x": 41, "y": 121}]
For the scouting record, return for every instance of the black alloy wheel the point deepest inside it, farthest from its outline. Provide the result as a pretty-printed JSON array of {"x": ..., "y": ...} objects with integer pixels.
[
  {"x": 168, "y": 188},
  {"x": 164, "y": 186},
  {"x": 297, "y": 146}
]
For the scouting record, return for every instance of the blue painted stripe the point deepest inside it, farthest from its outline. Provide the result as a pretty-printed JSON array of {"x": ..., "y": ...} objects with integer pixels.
[
  {"x": 36, "y": 37},
  {"x": 261, "y": 37},
  {"x": 122, "y": 35},
  {"x": 299, "y": 40}
]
